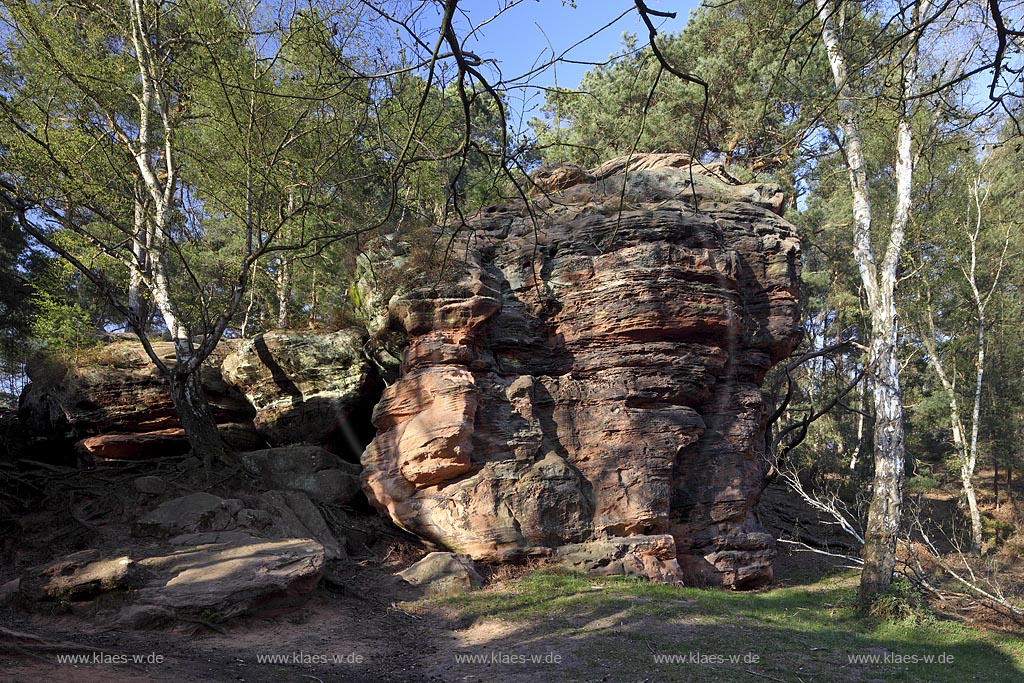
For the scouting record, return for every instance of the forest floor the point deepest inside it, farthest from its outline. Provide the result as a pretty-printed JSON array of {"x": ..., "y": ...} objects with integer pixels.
[
  {"x": 548, "y": 627},
  {"x": 531, "y": 626}
]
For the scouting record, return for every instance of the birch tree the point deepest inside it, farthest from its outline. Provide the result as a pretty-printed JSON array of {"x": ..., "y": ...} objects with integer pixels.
[
  {"x": 878, "y": 262},
  {"x": 101, "y": 105},
  {"x": 965, "y": 265}
]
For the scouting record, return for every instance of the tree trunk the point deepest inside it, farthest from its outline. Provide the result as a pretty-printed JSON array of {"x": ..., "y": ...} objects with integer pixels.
[
  {"x": 861, "y": 420},
  {"x": 889, "y": 445},
  {"x": 313, "y": 301},
  {"x": 879, "y": 280},
  {"x": 972, "y": 507},
  {"x": 139, "y": 249},
  {"x": 1009, "y": 483},
  {"x": 196, "y": 418},
  {"x": 995, "y": 479},
  {"x": 283, "y": 291}
]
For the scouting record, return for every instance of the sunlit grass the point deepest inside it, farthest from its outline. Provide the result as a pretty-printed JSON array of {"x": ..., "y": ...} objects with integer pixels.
[{"x": 798, "y": 633}]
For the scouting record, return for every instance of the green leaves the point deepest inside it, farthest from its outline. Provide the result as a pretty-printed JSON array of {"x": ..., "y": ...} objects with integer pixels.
[{"x": 763, "y": 85}]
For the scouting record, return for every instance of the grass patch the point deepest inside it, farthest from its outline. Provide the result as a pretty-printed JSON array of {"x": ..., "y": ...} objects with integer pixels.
[{"x": 630, "y": 630}]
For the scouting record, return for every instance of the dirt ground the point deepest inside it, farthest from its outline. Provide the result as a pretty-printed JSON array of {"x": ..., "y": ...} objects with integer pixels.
[{"x": 361, "y": 626}]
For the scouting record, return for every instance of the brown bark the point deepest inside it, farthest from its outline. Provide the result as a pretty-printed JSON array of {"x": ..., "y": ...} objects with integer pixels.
[{"x": 194, "y": 412}]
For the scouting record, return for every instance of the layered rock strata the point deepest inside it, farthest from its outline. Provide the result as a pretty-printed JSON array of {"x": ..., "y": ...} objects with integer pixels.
[{"x": 593, "y": 376}]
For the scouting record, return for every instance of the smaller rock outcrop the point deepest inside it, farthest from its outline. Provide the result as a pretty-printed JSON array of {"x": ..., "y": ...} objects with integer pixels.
[
  {"x": 304, "y": 386},
  {"x": 279, "y": 388},
  {"x": 116, "y": 404},
  {"x": 317, "y": 472},
  {"x": 443, "y": 573}
]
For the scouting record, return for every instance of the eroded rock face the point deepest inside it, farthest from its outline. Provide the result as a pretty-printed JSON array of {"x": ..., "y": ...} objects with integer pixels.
[
  {"x": 118, "y": 406},
  {"x": 595, "y": 375},
  {"x": 304, "y": 386}
]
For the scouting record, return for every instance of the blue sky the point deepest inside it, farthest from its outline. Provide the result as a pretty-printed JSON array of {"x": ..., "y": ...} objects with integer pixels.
[
  {"x": 523, "y": 37},
  {"x": 518, "y": 39}
]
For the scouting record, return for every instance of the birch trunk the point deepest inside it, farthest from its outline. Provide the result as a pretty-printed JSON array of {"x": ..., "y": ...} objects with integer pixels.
[
  {"x": 157, "y": 166},
  {"x": 283, "y": 291},
  {"x": 879, "y": 280},
  {"x": 969, "y": 462}
]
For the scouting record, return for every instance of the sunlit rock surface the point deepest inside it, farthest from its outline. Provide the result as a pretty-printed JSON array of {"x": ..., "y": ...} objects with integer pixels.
[{"x": 594, "y": 374}]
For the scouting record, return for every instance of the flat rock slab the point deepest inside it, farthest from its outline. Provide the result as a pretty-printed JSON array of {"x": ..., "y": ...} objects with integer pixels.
[
  {"x": 222, "y": 580},
  {"x": 211, "y": 576}
]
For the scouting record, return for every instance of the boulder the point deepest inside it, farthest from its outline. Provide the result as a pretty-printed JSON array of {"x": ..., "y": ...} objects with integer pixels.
[
  {"x": 9, "y": 591},
  {"x": 652, "y": 557},
  {"x": 592, "y": 372},
  {"x": 191, "y": 513},
  {"x": 293, "y": 514},
  {"x": 443, "y": 573},
  {"x": 320, "y": 474},
  {"x": 151, "y": 485},
  {"x": 304, "y": 386}
]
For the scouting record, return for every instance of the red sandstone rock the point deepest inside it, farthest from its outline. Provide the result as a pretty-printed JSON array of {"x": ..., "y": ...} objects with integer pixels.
[
  {"x": 119, "y": 390},
  {"x": 595, "y": 376}
]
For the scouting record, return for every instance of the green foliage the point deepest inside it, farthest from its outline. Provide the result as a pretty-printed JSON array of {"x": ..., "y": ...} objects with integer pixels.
[
  {"x": 918, "y": 484},
  {"x": 61, "y": 325},
  {"x": 761, "y": 101}
]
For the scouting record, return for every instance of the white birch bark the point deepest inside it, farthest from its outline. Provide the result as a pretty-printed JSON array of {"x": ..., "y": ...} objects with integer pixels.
[{"x": 879, "y": 281}]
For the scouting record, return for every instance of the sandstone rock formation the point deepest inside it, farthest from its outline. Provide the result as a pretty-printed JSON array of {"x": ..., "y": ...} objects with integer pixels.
[
  {"x": 594, "y": 375},
  {"x": 118, "y": 406},
  {"x": 304, "y": 386}
]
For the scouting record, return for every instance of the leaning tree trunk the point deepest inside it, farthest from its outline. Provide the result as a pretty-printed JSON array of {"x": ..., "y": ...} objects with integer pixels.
[
  {"x": 196, "y": 417},
  {"x": 156, "y": 158}
]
